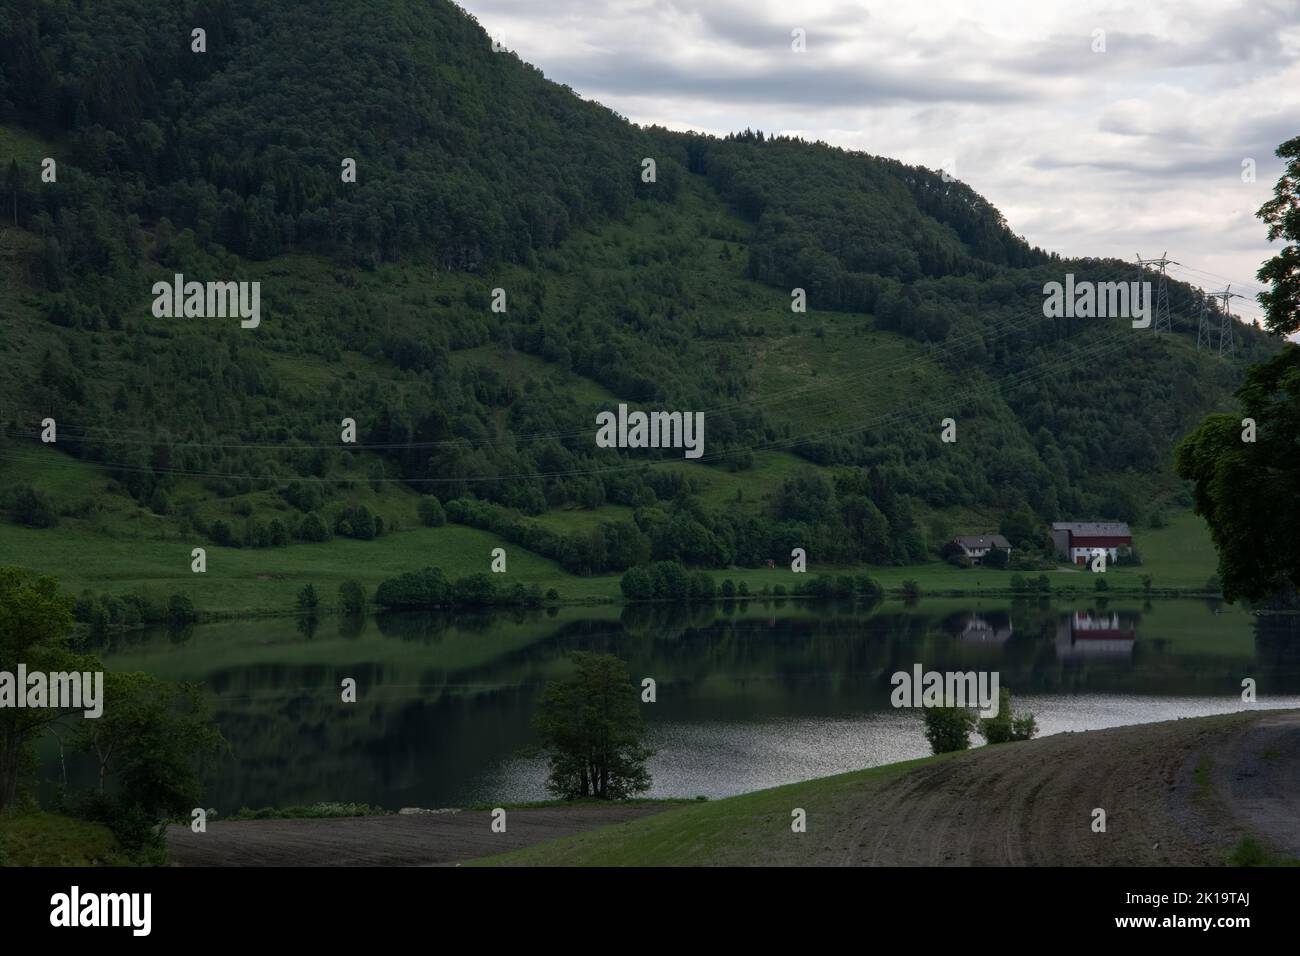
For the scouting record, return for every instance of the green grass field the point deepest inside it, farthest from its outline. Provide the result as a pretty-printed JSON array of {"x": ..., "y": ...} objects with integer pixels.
[
  {"x": 711, "y": 832},
  {"x": 47, "y": 839},
  {"x": 267, "y": 580},
  {"x": 121, "y": 547}
]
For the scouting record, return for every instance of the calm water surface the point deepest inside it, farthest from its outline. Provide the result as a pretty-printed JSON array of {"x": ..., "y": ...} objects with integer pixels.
[{"x": 749, "y": 695}]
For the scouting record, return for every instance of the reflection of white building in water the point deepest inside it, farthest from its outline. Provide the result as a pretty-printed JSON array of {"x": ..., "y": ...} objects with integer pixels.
[
  {"x": 1095, "y": 634},
  {"x": 980, "y": 631}
]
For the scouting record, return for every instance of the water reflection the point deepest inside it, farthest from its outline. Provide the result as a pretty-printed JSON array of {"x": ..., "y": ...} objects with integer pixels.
[
  {"x": 1100, "y": 633},
  {"x": 750, "y": 693}
]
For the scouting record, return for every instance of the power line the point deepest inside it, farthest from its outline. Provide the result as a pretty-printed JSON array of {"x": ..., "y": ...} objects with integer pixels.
[
  {"x": 1162, "y": 321},
  {"x": 1215, "y": 275},
  {"x": 975, "y": 335},
  {"x": 1089, "y": 354}
]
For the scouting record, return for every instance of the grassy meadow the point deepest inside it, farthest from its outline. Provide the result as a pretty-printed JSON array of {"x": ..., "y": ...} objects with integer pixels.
[{"x": 120, "y": 547}]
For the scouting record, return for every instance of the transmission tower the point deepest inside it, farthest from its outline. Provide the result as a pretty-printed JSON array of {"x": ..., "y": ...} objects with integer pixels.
[
  {"x": 1162, "y": 289},
  {"x": 1227, "y": 342},
  {"x": 1204, "y": 331}
]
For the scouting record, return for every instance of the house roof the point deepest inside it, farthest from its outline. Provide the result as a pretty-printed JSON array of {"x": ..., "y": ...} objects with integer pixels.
[
  {"x": 982, "y": 541},
  {"x": 1094, "y": 529}
]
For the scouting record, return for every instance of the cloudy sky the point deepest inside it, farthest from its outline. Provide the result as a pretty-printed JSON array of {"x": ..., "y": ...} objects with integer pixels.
[{"x": 1135, "y": 148}]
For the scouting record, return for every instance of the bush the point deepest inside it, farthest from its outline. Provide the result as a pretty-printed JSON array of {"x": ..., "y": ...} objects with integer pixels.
[
  {"x": 308, "y": 599},
  {"x": 357, "y": 522},
  {"x": 180, "y": 610},
  {"x": 671, "y": 581},
  {"x": 911, "y": 589},
  {"x": 637, "y": 584},
  {"x": 306, "y": 496},
  {"x": 702, "y": 586},
  {"x": 1018, "y": 583},
  {"x": 352, "y": 597},
  {"x": 1023, "y": 726},
  {"x": 728, "y": 588},
  {"x": 33, "y": 508},
  {"x": 431, "y": 512},
  {"x": 552, "y": 594},
  {"x": 997, "y": 559},
  {"x": 313, "y": 529},
  {"x": 477, "y": 589},
  {"x": 742, "y": 589},
  {"x": 221, "y": 534},
  {"x": 1100, "y": 585},
  {"x": 425, "y": 588},
  {"x": 279, "y": 533},
  {"x": 869, "y": 588},
  {"x": 1007, "y": 726},
  {"x": 948, "y": 728},
  {"x": 159, "y": 503}
]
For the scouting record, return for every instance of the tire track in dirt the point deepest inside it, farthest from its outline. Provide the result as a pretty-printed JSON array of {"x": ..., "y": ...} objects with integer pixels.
[{"x": 1032, "y": 803}]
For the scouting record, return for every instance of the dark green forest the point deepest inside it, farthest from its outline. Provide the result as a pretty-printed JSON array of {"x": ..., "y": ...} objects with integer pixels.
[{"x": 475, "y": 172}]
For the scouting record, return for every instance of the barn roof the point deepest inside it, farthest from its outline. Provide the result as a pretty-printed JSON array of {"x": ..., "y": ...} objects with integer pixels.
[
  {"x": 1094, "y": 529},
  {"x": 982, "y": 541}
]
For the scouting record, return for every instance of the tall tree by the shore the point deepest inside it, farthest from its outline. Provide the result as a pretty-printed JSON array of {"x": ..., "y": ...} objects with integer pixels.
[
  {"x": 35, "y": 621},
  {"x": 1282, "y": 214},
  {"x": 591, "y": 731},
  {"x": 150, "y": 748},
  {"x": 1246, "y": 468}
]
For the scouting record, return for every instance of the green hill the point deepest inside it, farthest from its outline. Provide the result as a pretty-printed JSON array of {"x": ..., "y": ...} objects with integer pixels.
[{"x": 475, "y": 173}]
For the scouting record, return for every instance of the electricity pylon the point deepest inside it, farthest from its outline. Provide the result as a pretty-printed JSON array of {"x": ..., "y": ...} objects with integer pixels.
[
  {"x": 1227, "y": 341},
  {"x": 1204, "y": 334},
  {"x": 1162, "y": 289}
]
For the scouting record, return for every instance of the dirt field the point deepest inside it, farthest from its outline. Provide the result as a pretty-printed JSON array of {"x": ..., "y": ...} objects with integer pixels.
[
  {"x": 400, "y": 840},
  {"x": 1175, "y": 793}
]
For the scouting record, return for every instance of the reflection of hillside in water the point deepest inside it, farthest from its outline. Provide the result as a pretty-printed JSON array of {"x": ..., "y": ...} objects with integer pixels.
[{"x": 444, "y": 697}]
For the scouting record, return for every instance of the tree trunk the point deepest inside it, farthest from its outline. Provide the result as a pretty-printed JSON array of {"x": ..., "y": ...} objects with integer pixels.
[{"x": 10, "y": 754}]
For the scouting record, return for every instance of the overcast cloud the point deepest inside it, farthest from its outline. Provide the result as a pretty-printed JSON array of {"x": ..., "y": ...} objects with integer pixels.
[{"x": 1135, "y": 149}]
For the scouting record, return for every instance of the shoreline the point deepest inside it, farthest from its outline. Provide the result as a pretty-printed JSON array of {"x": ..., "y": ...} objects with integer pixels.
[
  {"x": 1192, "y": 791},
  {"x": 897, "y": 595}
]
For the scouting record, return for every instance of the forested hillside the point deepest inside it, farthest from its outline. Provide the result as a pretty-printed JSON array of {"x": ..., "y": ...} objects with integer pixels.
[{"x": 474, "y": 172}]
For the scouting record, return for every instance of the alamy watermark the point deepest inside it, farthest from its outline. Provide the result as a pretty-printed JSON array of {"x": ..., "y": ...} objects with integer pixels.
[
  {"x": 74, "y": 909},
  {"x": 921, "y": 688},
  {"x": 59, "y": 690},
  {"x": 1100, "y": 300},
  {"x": 208, "y": 300},
  {"x": 651, "y": 430}
]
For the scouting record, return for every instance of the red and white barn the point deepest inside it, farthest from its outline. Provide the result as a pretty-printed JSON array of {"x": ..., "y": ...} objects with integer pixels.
[{"x": 1077, "y": 540}]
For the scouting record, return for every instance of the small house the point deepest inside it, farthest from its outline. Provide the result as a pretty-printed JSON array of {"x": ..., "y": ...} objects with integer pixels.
[{"x": 974, "y": 547}]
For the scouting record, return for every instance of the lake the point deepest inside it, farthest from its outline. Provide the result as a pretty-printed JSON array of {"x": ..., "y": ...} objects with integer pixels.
[{"x": 750, "y": 695}]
